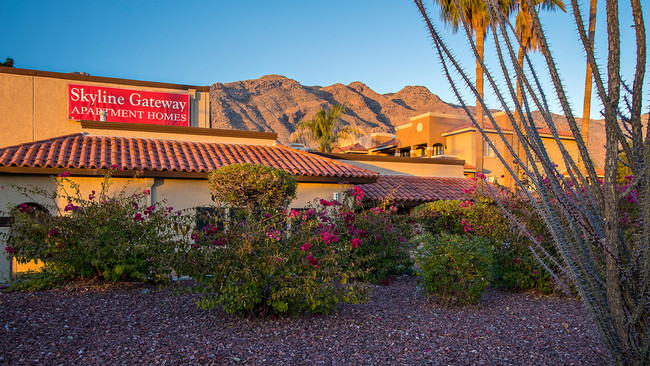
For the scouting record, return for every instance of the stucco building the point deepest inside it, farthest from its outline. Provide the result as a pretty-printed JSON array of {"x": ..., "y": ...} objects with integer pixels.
[{"x": 51, "y": 123}]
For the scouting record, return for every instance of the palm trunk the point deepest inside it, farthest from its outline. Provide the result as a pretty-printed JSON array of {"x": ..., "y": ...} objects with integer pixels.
[
  {"x": 586, "y": 111},
  {"x": 516, "y": 144},
  {"x": 480, "y": 41}
]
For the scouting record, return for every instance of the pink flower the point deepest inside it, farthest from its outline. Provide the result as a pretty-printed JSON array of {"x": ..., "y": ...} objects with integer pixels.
[
  {"x": 91, "y": 196},
  {"x": 355, "y": 242},
  {"x": 267, "y": 215},
  {"x": 358, "y": 194},
  {"x": 293, "y": 213},
  {"x": 305, "y": 247},
  {"x": 146, "y": 192},
  {"x": 278, "y": 259},
  {"x": 53, "y": 232},
  {"x": 275, "y": 235},
  {"x": 221, "y": 242},
  {"x": 138, "y": 217},
  {"x": 480, "y": 176},
  {"x": 328, "y": 237},
  {"x": 64, "y": 174},
  {"x": 23, "y": 208},
  {"x": 70, "y": 207},
  {"x": 10, "y": 250},
  {"x": 313, "y": 261},
  {"x": 516, "y": 260},
  {"x": 535, "y": 273}
]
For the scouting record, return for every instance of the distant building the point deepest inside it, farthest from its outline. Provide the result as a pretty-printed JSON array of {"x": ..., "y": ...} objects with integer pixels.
[{"x": 445, "y": 136}]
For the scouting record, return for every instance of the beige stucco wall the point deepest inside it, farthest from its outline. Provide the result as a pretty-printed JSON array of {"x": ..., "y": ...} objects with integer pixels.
[
  {"x": 241, "y": 140},
  {"x": 406, "y": 168},
  {"x": 308, "y": 192},
  {"x": 16, "y": 109},
  {"x": 35, "y": 107}
]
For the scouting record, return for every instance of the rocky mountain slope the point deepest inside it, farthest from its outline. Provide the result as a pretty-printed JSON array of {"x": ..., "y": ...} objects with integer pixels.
[{"x": 274, "y": 103}]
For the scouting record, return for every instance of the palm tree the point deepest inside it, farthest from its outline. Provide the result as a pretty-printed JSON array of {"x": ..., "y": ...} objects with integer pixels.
[
  {"x": 323, "y": 129},
  {"x": 476, "y": 15}
]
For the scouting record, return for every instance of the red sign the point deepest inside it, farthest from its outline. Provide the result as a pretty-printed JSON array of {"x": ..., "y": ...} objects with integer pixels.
[{"x": 89, "y": 102}]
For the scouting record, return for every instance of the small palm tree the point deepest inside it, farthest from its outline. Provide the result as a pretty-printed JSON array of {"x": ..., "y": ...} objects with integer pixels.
[{"x": 324, "y": 130}]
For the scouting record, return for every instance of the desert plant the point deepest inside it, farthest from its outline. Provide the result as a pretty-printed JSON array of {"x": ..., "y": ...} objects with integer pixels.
[{"x": 605, "y": 255}]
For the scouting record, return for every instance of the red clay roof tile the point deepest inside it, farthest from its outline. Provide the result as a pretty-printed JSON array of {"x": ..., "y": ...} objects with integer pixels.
[
  {"x": 414, "y": 188},
  {"x": 104, "y": 152},
  {"x": 357, "y": 147}
]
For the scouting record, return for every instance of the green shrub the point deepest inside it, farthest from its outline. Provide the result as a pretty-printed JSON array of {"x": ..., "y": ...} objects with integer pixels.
[
  {"x": 455, "y": 268},
  {"x": 115, "y": 237},
  {"x": 514, "y": 266},
  {"x": 441, "y": 216},
  {"x": 38, "y": 280},
  {"x": 252, "y": 186}
]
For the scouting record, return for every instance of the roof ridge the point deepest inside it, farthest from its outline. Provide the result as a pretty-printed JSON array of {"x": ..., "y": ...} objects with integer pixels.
[
  {"x": 84, "y": 151},
  {"x": 25, "y": 144}
]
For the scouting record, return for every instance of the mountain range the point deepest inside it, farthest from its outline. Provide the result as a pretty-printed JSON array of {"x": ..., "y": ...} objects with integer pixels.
[{"x": 274, "y": 103}]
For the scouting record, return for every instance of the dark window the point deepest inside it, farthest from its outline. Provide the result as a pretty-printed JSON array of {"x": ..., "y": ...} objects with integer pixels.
[{"x": 438, "y": 149}]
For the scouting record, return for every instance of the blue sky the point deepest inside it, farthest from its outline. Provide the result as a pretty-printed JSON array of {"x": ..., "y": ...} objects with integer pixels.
[{"x": 382, "y": 43}]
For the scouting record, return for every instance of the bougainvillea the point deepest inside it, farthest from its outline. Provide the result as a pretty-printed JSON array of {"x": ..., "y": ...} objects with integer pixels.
[{"x": 115, "y": 237}]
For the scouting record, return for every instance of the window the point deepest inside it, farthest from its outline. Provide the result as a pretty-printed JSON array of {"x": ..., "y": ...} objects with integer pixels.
[
  {"x": 487, "y": 149},
  {"x": 217, "y": 216},
  {"x": 438, "y": 149}
]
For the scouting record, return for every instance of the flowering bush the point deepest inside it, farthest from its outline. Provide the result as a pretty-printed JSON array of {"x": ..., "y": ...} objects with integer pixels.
[
  {"x": 116, "y": 237},
  {"x": 455, "y": 268},
  {"x": 514, "y": 266},
  {"x": 271, "y": 261},
  {"x": 379, "y": 238},
  {"x": 264, "y": 260}
]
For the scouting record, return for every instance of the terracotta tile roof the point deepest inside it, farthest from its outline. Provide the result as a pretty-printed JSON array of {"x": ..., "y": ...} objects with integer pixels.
[
  {"x": 353, "y": 148},
  {"x": 490, "y": 127},
  {"x": 469, "y": 167},
  {"x": 384, "y": 145},
  {"x": 414, "y": 188},
  {"x": 81, "y": 151}
]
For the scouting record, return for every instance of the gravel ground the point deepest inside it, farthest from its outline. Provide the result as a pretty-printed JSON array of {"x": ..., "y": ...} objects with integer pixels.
[{"x": 125, "y": 324}]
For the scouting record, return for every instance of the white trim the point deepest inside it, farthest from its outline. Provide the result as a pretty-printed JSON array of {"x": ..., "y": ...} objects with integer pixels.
[
  {"x": 445, "y": 115},
  {"x": 397, "y": 128}
]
